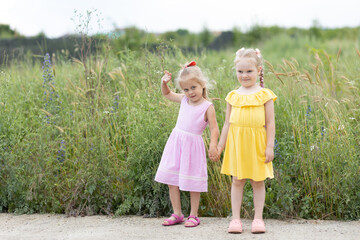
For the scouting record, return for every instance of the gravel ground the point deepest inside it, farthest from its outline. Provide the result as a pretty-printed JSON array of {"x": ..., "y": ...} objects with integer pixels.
[{"x": 50, "y": 226}]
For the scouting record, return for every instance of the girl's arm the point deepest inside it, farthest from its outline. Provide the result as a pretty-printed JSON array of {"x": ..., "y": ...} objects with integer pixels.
[
  {"x": 225, "y": 129},
  {"x": 165, "y": 90},
  {"x": 214, "y": 133},
  {"x": 270, "y": 130}
]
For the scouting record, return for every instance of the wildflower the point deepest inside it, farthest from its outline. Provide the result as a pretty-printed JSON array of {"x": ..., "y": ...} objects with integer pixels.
[
  {"x": 51, "y": 99},
  {"x": 341, "y": 127},
  {"x": 308, "y": 111},
  {"x": 61, "y": 152},
  {"x": 323, "y": 131},
  {"x": 351, "y": 118},
  {"x": 116, "y": 102},
  {"x": 313, "y": 147}
]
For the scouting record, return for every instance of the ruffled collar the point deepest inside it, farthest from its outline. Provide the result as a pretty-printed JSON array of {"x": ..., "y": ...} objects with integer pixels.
[{"x": 255, "y": 99}]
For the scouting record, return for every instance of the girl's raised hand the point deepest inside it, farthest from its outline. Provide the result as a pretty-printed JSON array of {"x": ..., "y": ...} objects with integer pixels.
[{"x": 166, "y": 78}]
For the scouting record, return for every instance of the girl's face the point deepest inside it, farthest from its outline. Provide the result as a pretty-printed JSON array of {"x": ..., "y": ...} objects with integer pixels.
[
  {"x": 247, "y": 72},
  {"x": 193, "y": 91}
]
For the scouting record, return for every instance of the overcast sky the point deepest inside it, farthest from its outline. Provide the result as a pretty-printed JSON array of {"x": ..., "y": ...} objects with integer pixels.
[{"x": 54, "y": 17}]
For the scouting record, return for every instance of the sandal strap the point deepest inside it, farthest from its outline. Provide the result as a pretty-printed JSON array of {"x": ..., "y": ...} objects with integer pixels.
[
  {"x": 196, "y": 219},
  {"x": 176, "y": 216},
  {"x": 178, "y": 219}
]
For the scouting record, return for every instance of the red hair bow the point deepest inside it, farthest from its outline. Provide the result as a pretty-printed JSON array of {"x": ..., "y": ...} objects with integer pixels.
[{"x": 191, "y": 64}]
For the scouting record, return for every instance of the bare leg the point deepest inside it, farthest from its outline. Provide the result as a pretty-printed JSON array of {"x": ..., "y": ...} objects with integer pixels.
[
  {"x": 259, "y": 198},
  {"x": 237, "y": 189},
  {"x": 195, "y": 200},
  {"x": 175, "y": 200}
]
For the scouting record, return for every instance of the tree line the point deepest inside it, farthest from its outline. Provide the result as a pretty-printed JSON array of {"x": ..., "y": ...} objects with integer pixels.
[{"x": 13, "y": 45}]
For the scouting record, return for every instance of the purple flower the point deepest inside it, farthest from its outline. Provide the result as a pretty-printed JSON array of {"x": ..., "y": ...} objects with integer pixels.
[{"x": 51, "y": 103}]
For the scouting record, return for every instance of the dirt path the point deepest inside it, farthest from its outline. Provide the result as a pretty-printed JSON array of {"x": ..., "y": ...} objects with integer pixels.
[{"x": 48, "y": 226}]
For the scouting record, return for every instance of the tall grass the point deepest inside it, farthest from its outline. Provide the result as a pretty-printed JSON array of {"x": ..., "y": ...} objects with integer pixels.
[
  {"x": 101, "y": 154},
  {"x": 319, "y": 126}
]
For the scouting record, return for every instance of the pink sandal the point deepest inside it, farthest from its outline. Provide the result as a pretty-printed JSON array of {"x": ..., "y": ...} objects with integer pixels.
[
  {"x": 235, "y": 226},
  {"x": 178, "y": 219},
  {"x": 195, "y": 222},
  {"x": 258, "y": 226}
]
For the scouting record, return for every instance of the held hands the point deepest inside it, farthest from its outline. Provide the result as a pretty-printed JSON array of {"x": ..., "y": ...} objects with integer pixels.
[
  {"x": 166, "y": 78},
  {"x": 214, "y": 154},
  {"x": 269, "y": 154}
]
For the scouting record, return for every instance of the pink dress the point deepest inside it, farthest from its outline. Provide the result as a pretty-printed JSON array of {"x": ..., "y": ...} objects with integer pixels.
[{"x": 183, "y": 162}]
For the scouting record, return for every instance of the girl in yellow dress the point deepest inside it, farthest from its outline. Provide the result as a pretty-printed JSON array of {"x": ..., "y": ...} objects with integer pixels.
[{"x": 248, "y": 137}]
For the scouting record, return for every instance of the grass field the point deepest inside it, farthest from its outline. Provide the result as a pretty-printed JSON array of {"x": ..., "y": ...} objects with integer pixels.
[{"x": 85, "y": 136}]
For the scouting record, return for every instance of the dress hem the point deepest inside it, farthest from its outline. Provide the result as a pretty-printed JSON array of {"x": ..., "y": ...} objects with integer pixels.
[
  {"x": 180, "y": 188},
  {"x": 251, "y": 178}
]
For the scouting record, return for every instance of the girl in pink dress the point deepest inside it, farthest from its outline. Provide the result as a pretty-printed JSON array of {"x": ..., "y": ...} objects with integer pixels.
[{"x": 183, "y": 163}]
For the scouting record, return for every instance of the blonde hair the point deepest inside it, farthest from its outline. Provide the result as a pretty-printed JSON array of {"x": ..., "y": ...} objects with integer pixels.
[
  {"x": 254, "y": 54},
  {"x": 193, "y": 73}
]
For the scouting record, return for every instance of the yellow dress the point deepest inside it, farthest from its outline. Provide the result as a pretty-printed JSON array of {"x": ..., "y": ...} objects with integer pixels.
[{"x": 244, "y": 155}]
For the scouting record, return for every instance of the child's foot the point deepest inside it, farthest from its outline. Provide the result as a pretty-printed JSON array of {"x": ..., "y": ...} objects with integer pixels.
[
  {"x": 258, "y": 226},
  {"x": 192, "y": 221},
  {"x": 174, "y": 219},
  {"x": 235, "y": 226}
]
